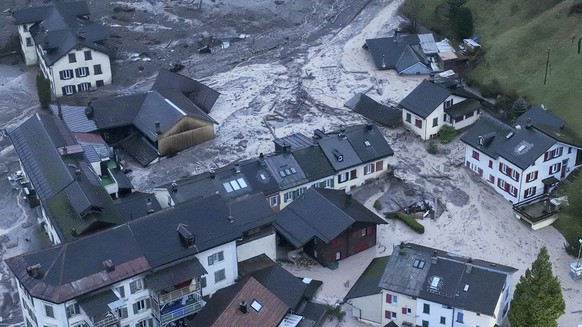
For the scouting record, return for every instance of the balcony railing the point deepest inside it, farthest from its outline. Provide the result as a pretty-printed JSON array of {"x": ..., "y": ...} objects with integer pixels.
[
  {"x": 110, "y": 320},
  {"x": 177, "y": 294},
  {"x": 188, "y": 309}
]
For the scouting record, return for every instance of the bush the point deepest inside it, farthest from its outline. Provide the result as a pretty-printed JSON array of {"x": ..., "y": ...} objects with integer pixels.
[
  {"x": 491, "y": 90},
  {"x": 432, "y": 148},
  {"x": 410, "y": 221},
  {"x": 335, "y": 312},
  {"x": 43, "y": 87},
  {"x": 447, "y": 134},
  {"x": 377, "y": 205},
  {"x": 463, "y": 23}
]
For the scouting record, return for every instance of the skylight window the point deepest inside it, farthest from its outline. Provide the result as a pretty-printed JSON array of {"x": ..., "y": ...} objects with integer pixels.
[
  {"x": 293, "y": 171},
  {"x": 418, "y": 263},
  {"x": 241, "y": 182},
  {"x": 256, "y": 305},
  {"x": 367, "y": 143},
  {"x": 466, "y": 288},
  {"x": 227, "y": 187},
  {"x": 521, "y": 148},
  {"x": 287, "y": 172},
  {"x": 263, "y": 177},
  {"x": 234, "y": 185},
  {"x": 435, "y": 282},
  {"x": 282, "y": 173}
]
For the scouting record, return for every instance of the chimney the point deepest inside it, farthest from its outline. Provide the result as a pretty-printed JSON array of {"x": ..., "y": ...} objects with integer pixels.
[
  {"x": 89, "y": 111},
  {"x": 469, "y": 266},
  {"x": 528, "y": 123},
  {"x": 481, "y": 140},
  {"x": 261, "y": 159},
  {"x": 237, "y": 168},
  {"x": 186, "y": 238},
  {"x": 65, "y": 151},
  {"x": 348, "y": 199},
  {"x": 78, "y": 174},
  {"x": 60, "y": 110},
  {"x": 342, "y": 132},
  {"x": 434, "y": 259},
  {"x": 243, "y": 307},
  {"x": 109, "y": 266},
  {"x": 369, "y": 127},
  {"x": 230, "y": 219},
  {"x": 401, "y": 248},
  {"x": 174, "y": 187},
  {"x": 149, "y": 206},
  {"x": 318, "y": 134},
  {"x": 34, "y": 271},
  {"x": 158, "y": 130},
  {"x": 212, "y": 173}
]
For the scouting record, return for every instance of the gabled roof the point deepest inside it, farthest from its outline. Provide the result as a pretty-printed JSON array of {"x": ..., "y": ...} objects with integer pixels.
[
  {"x": 522, "y": 146},
  {"x": 115, "y": 112},
  {"x": 425, "y": 98},
  {"x": 285, "y": 169},
  {"x": 321, "y": 213},
  {"x": 367, "y": 107},
  {"x": 368, "y": 142},
  {"x": 136, "y": 205},
  {"x": 282, "y": 284},
  {"x": 60, "y": 27},
  {"x": 462, "y": 108},
  {"x": 314, "y": 163},
  {"x": 409, "y": 58},
  {"x": 540, "y": 115},
  {"x": 223, "y": 309},
  {"x": 367, "y": 283},
  {"x": 139, "y": 148},
  {"x": 387, "y": 51},
  {"x": 75, "y": 118},
  {"x": 201, "y": 95}
]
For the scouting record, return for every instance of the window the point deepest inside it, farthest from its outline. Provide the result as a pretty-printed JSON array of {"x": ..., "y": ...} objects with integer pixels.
[
  {"x": 288, "y": 197},
  {"x": 343, "y": 177},
  {"x": 379, "y": 165},
  {"x": 72, "y": 58},
  {"x": 82, "y": 71},
  {"x": 448, "y": 103},
  {"x": 362, "y": 232},
  {"x": 99, "y": 83},
  {"x": 219, "y": 275},
  {"x": 121, "y": 312},
  {"x": 144, "y": 323},
  {"x": 84, "y": 86},
  {"x": 512, "y": 190},
  {"x": 490, "y": 163},
  {"x": 97, "y": 70},
  {"x": 274, "y": 201},
  {"x": 443, "y": 320},
  {"x": 28, "y": 41},
  {"x": 338, "y": 255},
  {"x": 418, "y": 123},
  {"x": 216, "y": 257},
  {"x": 256, "y": 305},
  {"x": 25, "y": 28},
  {"x": 369, "y": 168},
  {"x": 426, "y": 308},
  {"x": 503, "y": 168},
  {"x": 435, "y": 122},
  {"x": 68, "y": 89},
  {"x": 353, "y": 174},
  {"x": 514, "y": 175},
  {"x": 555, "y": 168},
  {"x": 66, "y": 74},
  {"x": 529, "y": 192},
  {"x": 475, "y": 155},
  {"x": 121, "y": 291},
  {"x": 459, "y": 119},
  {"x": 141, "y": 305},
  {"x": 48, "y": 311},
  {"x": 88, "y": 55},
  {"x": 459, "y": 317},
  {"x": 135, "y": 286},
  {"x": 203, "y": 281},
  {"x": 418, "y": 263},
  {"x": 234, "y": 185},
  {"x": 491, "y": 179},
  {"x": 531, "y": 176},
  {"x": 569, "y": 150},
  {"x": 73, "y": 309},
  {"x": 469, "y": 115},
  {"x": 408, "y": 117},
  {"x": 424, "y": 323},
  {"x": 553, "y": 154},
  {"x": 389, "y": 314}
]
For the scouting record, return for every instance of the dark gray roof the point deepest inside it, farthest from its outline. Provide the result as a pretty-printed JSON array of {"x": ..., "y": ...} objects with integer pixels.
[
  {"x": 283, "y": 284},
  {"x": 540, "y": 115},
  {"x": 314, "y": 163},
  {"x": 59, "y": 28},
  {"x": 201, "y": 95},
  {"x": 339, "y": 151},
  {"x": 115, "y": 112},
  {"x": 96, "y": 305},
  {"x": 368, "y": 142},
  {"x": 459, "y": 109},
  {"x": 367, "y": 107},
  {"x": 70, "y": 270},
  {"x": 252, "y": 211},
  {"x": 400, "y": 276},
  {"x": 519, "y": 146},
  {"x": 320, "y": 213},
  {"x": 286, "y": 170},
  {"x": 135, "y": 205},
  {"x": 425, "y": 98},
  {"x": 123, "y": 182},
  {"x": 296, "y": 141},
  {"x": 175, "y": 274},
  {"x": 387, "y": 51},
  {"x": 367, "y": 283},
  {"x": 75, "y": 118},
  {"x": 157, "y": 236},
  {"x": 313, "y": 314},
  {"x": 409, "y": 58},
  {"x": 139, "y": 148}
]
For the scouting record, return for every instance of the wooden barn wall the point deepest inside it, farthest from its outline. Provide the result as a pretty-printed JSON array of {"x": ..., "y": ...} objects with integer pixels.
[{"x": 186, "y": 133}]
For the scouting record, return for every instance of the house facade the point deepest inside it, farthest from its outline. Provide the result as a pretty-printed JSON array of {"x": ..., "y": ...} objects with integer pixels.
[
  {"x": 431, "y": 106},
  {"x": 521, "y": 162},
  {"x": 67, "y": 46},
  {"x": 420, "y": 286}
]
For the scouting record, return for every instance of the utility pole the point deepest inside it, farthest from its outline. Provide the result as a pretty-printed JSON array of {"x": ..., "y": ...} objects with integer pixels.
[{"x": 547, "y": 64}]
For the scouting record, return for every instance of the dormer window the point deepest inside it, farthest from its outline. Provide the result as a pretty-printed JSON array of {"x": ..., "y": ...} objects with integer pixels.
[{"x": 367, "y": 144}]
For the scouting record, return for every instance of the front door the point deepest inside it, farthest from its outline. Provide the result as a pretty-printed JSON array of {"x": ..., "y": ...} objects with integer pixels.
[{"x": 564, "y": 167}]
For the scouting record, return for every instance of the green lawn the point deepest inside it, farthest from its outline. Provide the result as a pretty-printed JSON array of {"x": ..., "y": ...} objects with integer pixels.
[{"x": 571, "y": 228}]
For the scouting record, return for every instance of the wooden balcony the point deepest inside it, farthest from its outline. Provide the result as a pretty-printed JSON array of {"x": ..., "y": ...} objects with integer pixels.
[{"x": 177, "y": 294}]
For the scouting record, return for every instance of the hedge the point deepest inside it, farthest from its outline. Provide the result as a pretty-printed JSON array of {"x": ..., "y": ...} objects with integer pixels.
[{"x": 410, "y": 221}]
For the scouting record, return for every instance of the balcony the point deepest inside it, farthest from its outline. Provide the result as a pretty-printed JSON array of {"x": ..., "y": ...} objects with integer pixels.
[
  {"x": 178, "y": 310},
  {"x": 177, "y": 294},
  {"x": 109, "y": 320}
]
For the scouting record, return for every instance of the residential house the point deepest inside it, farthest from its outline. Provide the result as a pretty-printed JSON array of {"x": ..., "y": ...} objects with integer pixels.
[
  {"x": 374, "y": 111},
  {"x": 61, "y": 175},
  {"x": 150, "y": 271},
  {"x": 70, "y": 49},
  {"x": 201, "y": 95},
  {"x": 408, "y": 54},
  {"x": 422, "y": 286},
  {"x": 328, "y": 224},
  {"x": 430, "y": 106},
  {"x": 152, "y": 124},
  {"x": 523, "y": 161}
]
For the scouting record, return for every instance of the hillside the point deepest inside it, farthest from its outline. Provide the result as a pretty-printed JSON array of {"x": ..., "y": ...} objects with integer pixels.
[{"x": 516, "y": 36}]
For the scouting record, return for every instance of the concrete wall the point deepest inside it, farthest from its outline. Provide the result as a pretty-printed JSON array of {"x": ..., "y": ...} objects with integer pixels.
[
  {"x": 437, "y": 311},
  {"x": 403, "y": 301},
  {"x": 266, "y": 245},
  {"x": 29, "y": 52},
  {"x": 368, "y": 308},
  {"x": 229, "y": 264}
]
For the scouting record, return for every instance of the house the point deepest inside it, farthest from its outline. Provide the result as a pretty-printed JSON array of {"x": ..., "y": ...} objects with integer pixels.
[
  {"x": 408, "y": 54},
  {"x": 150, "y": 271},
  {"x": 421, "y": 286},
  {"x": 201, "y": 95},
  {"x": 68, "y": 177},
  {"x": 430, "y": 106},
  {"x": 69, "y": 48},
  {"x": 152, "y": 124},
  {"x": 523, "y": 161},
  {"x": 374, "y": 111},
  {"x": 328, "y": 224}
]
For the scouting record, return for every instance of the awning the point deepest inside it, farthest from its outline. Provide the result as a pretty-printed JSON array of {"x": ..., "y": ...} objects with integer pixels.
[
  {"x": 97, "y": 305},
  {"x": 176, "y": 274},
  {"x": 550, "y": 181}
]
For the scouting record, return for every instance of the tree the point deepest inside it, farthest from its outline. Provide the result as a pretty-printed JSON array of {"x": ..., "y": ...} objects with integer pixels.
[
  {"x": 414, "y": 9},
  {"x": 518, "y": 108},
  {"x": 43, "y": 87},
  {"x": 537, "y": 300},
  {"x": 463, "y": 23},
  {"x": 453, "y": 9}
]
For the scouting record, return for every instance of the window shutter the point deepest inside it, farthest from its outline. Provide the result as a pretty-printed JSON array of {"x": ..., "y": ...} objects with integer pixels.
[
  {"x": 500, "y": 167},
  {"x": 559, "y": 166},
  {"x": 148, "y": 303},
  {"x": 387, "y": 314},
  {"x": 135, "y": 308},
  {"x": 403, "y": 311},
  {"x": 388, "y": 298},
  {"x": 220, "y": 256},
  {"x": 379, "y": 165},
  {"x": 61, "y": 75},
  {"x": 353, "y": 174},
  {"x": 77, "y": 72},
  {"x": 210, "y": 260},
  {"x": 534, "y": 190}
]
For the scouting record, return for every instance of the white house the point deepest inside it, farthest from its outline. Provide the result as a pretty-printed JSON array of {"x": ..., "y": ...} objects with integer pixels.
[
  {"x": 421, "y": 286},
  {"x": 69, "y": 48},
  {"x": 430, "y": 106},
  {"x": 523, "y": 161}
]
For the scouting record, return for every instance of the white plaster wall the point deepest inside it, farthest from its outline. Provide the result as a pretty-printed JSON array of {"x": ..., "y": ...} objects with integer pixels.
[
  {"x": 368, "y": 309},
  {"x": 404, "y": 301},
  {"x": 266, "y": 245},
  {"x": 229, "y": 264},
  {"x": 29, "y": 52},
  {"x": 436, "y": 312},
  {"x": 361, "y": 178}
]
